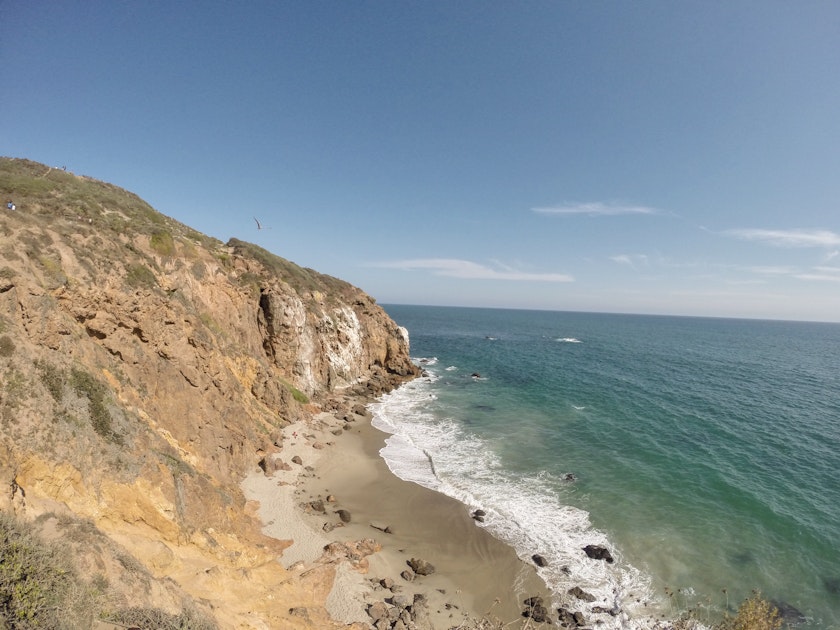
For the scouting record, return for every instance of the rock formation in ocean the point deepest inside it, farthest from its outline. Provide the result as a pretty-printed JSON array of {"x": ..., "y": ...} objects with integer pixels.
[{"x": 145, "y": 368}]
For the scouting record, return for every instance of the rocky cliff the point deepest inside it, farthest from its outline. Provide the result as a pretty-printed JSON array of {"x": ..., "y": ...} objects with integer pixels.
[{"x": 144, "y": 370}]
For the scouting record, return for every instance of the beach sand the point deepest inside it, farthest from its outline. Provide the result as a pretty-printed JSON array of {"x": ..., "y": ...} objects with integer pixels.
[{"x": 340, "y": 469}]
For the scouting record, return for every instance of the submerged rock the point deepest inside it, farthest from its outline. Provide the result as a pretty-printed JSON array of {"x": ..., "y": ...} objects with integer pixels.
[{"x": 577, "y": 591}]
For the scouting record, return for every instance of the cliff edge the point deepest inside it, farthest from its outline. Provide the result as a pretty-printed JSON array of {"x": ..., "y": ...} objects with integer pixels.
[{"x": 145, "y": 369}]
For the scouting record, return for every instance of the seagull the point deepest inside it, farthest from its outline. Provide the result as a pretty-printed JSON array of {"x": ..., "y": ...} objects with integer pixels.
[{"x": 260, "y": 225}]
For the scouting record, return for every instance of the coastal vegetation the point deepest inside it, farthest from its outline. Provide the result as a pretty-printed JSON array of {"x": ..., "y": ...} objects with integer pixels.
[{"x": 41, "y": 586}]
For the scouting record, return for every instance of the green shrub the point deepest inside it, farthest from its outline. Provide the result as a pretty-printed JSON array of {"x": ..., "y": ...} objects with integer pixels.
[
  {"x": 7, "y": 346},
  {"x": 296, "y": 393},
  {"x": 52, "y": 378},
  {"x": 755, "y": 613},
  {"x": 163, "y": 243},
  {"x": 140, "y": 276},
  {"x": 88, "y": 387},
  {"x": 35, "y": 578}
]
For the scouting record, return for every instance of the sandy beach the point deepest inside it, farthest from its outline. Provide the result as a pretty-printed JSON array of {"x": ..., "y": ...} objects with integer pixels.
[{"x": 332, "y": 489}]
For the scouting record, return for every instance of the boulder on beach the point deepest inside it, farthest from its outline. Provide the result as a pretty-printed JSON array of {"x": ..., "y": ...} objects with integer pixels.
[
  {"x": 536, "y": 610},
  {"x": 421, "y": 567},
  {"x": 539, "y": 560}
]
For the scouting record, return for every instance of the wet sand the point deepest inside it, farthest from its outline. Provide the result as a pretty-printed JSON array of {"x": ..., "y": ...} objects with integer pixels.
[{"x": 475, "y": 574}]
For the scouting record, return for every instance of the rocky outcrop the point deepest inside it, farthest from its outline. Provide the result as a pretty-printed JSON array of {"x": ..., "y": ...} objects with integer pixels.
[{"x": 146, "y": 368}]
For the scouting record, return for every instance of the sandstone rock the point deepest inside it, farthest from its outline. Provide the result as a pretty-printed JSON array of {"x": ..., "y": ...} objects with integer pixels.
[
  {"x": 344, "y": 515},
  {"x": 378, "y": 610},
  {"x": 407, "y": 575},
  {"x": 297, "y": 460}
]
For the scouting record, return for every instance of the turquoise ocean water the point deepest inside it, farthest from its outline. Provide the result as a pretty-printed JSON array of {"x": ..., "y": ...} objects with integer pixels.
[{"x": 705, "y": 452}]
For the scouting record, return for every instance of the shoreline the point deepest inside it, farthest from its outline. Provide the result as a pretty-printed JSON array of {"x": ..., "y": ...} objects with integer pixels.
[{"x": 329, "y": 489}]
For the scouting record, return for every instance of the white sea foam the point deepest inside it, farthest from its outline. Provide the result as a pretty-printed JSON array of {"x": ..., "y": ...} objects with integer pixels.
[
  {"x": 451, "y": 368},
  {"x": 568, "y": 340},
  {"x": 525, "y": 512}
]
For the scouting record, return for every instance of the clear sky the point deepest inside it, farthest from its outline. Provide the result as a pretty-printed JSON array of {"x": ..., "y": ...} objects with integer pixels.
[{"x": 644, "y": 157}]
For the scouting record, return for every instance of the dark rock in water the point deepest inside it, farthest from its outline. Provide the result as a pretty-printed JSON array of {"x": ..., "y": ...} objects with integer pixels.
[
  {"x": 577, "y": 591},
  {"x": 478, "y": 519},
  {"x": 832, "y": 585},
  {"x": 566, "y": 618},
  {"x": 788, "y": 614},
  {"x": 597, "y": 552},
  {"x": 344, "y": 515},
  {"x": 479, "y": 515},
  {"x": 536, "y": 610},
  {"x": 475, "y": 375},
  {"x": 485, "y": 408},
  {"x": 569, "y": 477},
  {"x": 742, "y": 557},
  {"x": 600, "y": 610},
  {"x": 421, "y": 567},
  {"x": 539, "y": 560},
  {"x": 579, "y": 618}
]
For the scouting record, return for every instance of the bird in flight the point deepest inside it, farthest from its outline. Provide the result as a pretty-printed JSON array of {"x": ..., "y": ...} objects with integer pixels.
[{"x": 260, "y": 226}]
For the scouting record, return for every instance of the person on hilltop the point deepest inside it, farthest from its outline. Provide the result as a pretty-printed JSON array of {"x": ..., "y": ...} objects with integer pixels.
[{"x": 10, "y": 205}]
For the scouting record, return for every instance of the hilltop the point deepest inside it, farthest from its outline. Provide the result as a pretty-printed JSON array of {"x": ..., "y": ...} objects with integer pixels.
[{"x": 145, "y": 370}]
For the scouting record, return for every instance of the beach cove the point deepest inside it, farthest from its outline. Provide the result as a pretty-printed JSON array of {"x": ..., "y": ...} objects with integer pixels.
[{"x": 334, "y": 497}]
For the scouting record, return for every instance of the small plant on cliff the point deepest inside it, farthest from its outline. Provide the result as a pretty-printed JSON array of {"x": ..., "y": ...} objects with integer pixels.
[
  {"x": 755, "y": 613},
  {"x": 7, "y": 346},
  {"x": 140, "y": 277},
  {"x": 163, "y": 243},
  {"x": 52, "y": 378},
  {"x": 296, "y": 393},
  {"x": 88, "y": 387},
  {"x": 35, "y": 579},
  {"x": 188, "y": 619}
]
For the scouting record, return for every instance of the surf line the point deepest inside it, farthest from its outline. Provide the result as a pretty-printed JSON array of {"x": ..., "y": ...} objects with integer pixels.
[{"x": 431, "y": 464}]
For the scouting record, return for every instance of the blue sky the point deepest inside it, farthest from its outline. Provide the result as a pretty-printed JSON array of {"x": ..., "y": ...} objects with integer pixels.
[{"x": 645, "y": 157}]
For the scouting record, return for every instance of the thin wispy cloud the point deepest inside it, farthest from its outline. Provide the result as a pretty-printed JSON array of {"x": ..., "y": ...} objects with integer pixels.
[
  {"x": 595, "y": 209},
  {"x": 788, "y": 238},
  {"x": 770, "y": 270},
  {"x": 819, "y": 277},
  {"x": 466, "y": 269},
  {"x": 822, "y": 273},
  {"x": 631, "y": 260}
]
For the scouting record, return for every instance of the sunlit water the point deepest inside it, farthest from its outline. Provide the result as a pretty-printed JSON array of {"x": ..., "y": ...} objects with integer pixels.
[{"x": 705, "y": 453}]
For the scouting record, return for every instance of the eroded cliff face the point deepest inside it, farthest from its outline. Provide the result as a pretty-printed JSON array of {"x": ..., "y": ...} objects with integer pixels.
[{"x": 146, "y": 368}]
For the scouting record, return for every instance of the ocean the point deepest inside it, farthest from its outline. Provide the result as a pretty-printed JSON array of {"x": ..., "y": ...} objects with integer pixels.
[{"x": 703, "y": 453}]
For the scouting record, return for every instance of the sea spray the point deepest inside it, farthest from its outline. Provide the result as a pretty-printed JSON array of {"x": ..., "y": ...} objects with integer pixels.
[
  {"x": 526, "y": 512},
  {"x": 705, "y": 451}
]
